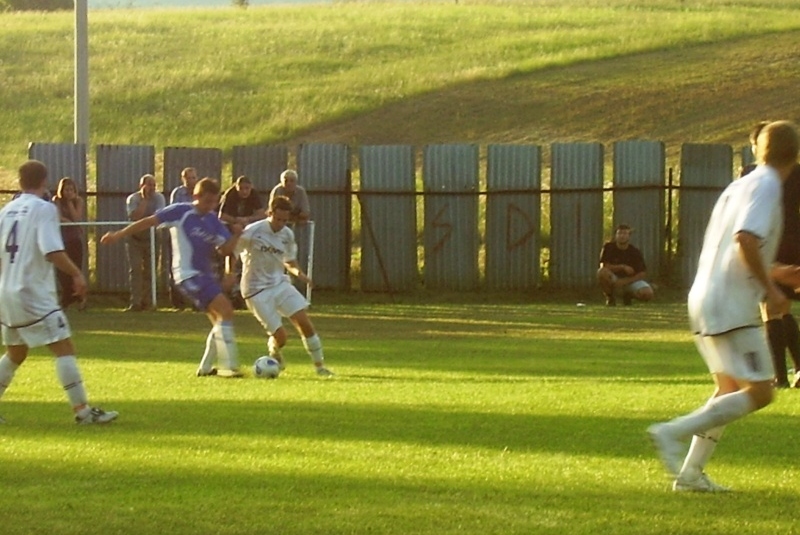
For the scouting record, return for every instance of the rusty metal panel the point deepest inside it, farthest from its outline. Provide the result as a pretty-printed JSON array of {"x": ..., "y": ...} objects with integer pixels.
[
  {"x": 705, "y": 171},
  {"x": 324, "y": 170},
  {"x": 388, "y": 218},
  {"x": 576, "y": 213},
  {"x": 450, "y": 180},
  {"x": 119, "y": 168},
  {"x": 61, "y": 159},
  {"x": 513, "y": 216},
  {"x": 263, "y": 164},
  {"x": 639, "y": 199}
]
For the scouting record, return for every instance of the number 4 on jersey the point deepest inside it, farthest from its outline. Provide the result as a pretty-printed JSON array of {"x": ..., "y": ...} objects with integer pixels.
[{"x": 11, "y": 242}]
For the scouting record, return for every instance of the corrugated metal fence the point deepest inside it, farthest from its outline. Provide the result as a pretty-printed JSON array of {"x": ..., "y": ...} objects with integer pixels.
[{"x": 474, "y": 230}]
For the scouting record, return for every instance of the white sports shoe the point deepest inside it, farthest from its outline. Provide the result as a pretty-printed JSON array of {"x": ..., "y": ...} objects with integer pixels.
[
  {"x": 669, "y": 448},
  {"x": 96, "y": 416},
  {"x": 322, "y": 371},
  {"x": 701, "y": 483}
]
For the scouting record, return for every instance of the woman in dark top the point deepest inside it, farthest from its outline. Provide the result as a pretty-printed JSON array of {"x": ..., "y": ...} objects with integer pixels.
[{"x": 71, "y": 209}]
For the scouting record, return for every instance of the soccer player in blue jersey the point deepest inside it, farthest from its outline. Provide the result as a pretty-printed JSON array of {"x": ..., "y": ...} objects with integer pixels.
[{"x": 196, "y": 232}]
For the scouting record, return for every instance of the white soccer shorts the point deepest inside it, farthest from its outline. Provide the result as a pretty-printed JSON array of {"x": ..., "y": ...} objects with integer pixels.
[
  {"x": 742, "y": 354},
  {"x": 268, "y": 306},
  {"x": 48, "y": 330}
]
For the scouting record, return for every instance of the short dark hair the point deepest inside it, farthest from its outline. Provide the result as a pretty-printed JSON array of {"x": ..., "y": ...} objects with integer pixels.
[
  {"x": 206, "y": 185},
  {"x": 778, "y": 144},
  {"x": 32, "y": 175},
  {"x": 243, "y": 180},
  {"x": 280, "y": 202}
]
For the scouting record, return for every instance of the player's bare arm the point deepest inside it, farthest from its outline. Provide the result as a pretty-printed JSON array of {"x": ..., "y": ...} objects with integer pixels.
[
  {"x": 294, "y": 269},
  {"x": 749, "y": 249},
  {"x": 115, "y": 235}
]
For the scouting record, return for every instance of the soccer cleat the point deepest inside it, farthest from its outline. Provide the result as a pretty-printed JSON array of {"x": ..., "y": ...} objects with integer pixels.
[
  {"x": 203, "y": 373},
  {"x": 96, "y": 416},
  {"x": 322, "y": 371},
  {"x": 669, "y": 448},
  {"x": 701, "y": 483},
  {"x": 611, "y": 301},
  {"x": 796, "y": 380}
]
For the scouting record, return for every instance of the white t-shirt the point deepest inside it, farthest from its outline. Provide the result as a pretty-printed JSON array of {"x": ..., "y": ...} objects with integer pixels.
[
  {"x": 29, "y": 230},
  {"x": 725, "y": 295},
  {"x": 263, "y": 253}
]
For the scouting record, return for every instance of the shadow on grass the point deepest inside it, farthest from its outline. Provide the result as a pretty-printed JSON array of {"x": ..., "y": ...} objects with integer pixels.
[{"x": 183, "y": 424}]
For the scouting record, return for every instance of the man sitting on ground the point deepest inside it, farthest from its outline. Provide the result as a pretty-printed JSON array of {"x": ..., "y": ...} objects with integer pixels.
[{"x": 622, "y": 270}]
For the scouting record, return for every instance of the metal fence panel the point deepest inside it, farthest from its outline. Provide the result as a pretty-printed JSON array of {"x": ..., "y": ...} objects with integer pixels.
[
  {"x": 206, "y": 161},
  {"x": 513, "y": 216},
  {"x": 576, "y": 213},
  {"x": 388, "y": 218},
  {"x": 450, "y": 179},
  {"x": 705, "y": 171},
  {"x": 62, "y": 160},
  {"x": 639, "y": 199},
  {"x": 119, "y": 168},
  {"x": 262, "y": 164},
  {"x": 324, "y": 170}
]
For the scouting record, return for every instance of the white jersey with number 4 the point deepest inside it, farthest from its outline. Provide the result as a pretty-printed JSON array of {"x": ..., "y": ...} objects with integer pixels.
[
  {"x": 29, "y": 230},
  {"x": 725, "y": 294},
  {"x": 263, "y": 253}
]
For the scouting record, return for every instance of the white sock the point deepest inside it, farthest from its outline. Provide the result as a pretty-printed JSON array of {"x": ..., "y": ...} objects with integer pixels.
[
  {"x": 701, "y": 450},
  {"x": 210, "y": 353},
  {"x": 718, "y": 412},
  {"x": 7, "y": 370},
  {"x": 70, "y": 378},
  {"x": 226, "y": 345},
  {"x": 313, "y": 346}
]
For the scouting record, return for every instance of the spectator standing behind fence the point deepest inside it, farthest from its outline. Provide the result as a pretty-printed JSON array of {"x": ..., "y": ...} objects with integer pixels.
[
  {"x": 782, "y": 329},
  {"x": 240, "y": 205},
  {"x": 182, "y": 193},
  {"x": 196, "y": 233},
  {"x": 71, "y": 209},
  {"x": 140, "y": 205},
  {"x": 29, "y": 314},
  {"x": 622, "y": 269},
  {"x": 288, "y": 187}
]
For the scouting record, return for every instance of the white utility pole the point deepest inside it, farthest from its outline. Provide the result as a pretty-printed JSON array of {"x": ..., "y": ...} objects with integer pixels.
[{"x": 81, "y": 71}]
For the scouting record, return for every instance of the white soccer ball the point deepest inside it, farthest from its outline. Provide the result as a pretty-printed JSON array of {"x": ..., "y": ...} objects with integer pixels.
[{"x": 266, "y": 367}]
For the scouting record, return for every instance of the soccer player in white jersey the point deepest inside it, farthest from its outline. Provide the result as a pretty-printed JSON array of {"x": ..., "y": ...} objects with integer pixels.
[
  {"x": 733, "y": 277},
  {"x": 30, "y": 315},
  {"x": 268, "y": 250},
  {"x": 196, "y": 233}
]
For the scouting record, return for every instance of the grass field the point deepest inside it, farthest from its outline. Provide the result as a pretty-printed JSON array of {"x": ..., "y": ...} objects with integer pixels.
[
  {"x": 533, "y": 71},
  {"x": 485, "y": 416}
]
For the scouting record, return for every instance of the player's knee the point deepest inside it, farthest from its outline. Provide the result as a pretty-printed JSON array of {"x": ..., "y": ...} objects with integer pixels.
[{"x": 761, "y": 394}]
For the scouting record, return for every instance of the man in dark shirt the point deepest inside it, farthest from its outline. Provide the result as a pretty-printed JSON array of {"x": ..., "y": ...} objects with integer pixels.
[
  {"x": 240, "y": 205},
  {"x": 622, "y": 269}
]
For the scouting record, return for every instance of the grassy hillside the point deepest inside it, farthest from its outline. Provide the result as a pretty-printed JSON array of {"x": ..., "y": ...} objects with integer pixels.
[{"x": 538, "y": 71}]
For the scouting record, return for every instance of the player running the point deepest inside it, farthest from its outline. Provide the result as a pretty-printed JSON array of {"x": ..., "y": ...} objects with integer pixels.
[
  {"x": 733, "y": 277},
  {"x": 30, "y": 314}
]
